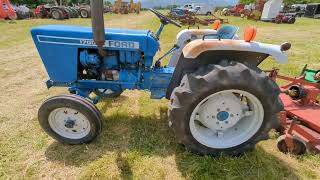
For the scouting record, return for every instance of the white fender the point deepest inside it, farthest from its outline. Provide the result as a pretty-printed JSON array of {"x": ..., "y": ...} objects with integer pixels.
[
  {"x": 183, "y": 38},
  {"x": 186, "y": 36},
  {"x": 195, "y": 48}
]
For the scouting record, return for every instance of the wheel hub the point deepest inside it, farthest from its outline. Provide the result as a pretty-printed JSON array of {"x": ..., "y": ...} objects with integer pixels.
[
  {"x": 222, "y": 116},
  {"x": 221, "y": 112},
  {"x": 69, "y": 123},
  {"x": 226, "y": 118}
]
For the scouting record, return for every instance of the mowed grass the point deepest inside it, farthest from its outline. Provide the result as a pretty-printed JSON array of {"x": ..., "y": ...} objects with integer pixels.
[{"x": 136, "y": 142}]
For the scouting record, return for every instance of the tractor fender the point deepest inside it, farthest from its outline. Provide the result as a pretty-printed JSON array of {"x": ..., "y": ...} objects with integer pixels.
[
  {"x": 200, "y": 52},
  {"x": 193, "y": 49},
  {"x": 184, "y": 37}
]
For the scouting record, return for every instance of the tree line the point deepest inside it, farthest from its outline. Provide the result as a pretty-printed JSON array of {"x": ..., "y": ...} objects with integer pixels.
[{"x": 285, "y": 1}]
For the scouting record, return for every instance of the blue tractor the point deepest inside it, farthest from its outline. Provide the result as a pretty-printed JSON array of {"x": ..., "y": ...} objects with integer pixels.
[{"x": 219, "y": 100}]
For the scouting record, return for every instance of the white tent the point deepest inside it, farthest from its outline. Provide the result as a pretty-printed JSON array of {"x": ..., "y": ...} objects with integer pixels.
[{"x": 271, "y": 9}]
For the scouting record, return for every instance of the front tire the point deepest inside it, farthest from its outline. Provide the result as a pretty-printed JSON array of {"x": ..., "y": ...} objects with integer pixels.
[
  {"x": 224, "y": 109},
  {"x": 70, "y": 119}
]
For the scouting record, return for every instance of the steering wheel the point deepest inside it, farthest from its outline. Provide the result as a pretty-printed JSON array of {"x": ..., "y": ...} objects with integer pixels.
[{"x": 165, "y": 19}]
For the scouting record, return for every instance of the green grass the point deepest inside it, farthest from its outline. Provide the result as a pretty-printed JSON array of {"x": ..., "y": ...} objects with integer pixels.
[{"x": 136, "y": 142}]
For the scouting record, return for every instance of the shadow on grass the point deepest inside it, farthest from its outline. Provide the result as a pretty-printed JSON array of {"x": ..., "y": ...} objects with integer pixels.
[{"x": 150, "y": 136}]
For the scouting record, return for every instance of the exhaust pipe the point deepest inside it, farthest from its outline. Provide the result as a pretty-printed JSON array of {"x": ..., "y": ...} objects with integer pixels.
[{"x": 98, "y": 25}]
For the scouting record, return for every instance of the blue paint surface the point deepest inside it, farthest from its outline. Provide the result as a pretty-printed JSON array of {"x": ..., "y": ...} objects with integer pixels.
[
  {"x": 222, "y": 115},
  {"x": 65, "y": 50}
]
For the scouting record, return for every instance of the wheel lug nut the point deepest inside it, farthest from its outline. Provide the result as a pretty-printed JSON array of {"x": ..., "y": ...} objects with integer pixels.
[
  {"x": 231, "y": 115},
  {"x": 227, "y": 122},
  {"x": 218, "y": 110},
  {"x": 213, "y": 117},
  {"x": 227, "y": 109}
]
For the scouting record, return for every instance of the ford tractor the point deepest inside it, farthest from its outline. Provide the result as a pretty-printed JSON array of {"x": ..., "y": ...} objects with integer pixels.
[{"x": 220, "y": 102}]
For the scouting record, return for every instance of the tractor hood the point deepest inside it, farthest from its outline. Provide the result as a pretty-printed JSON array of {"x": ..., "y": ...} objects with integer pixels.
[
  {"x": 60, "y": 45},
  {"x": 116, "y": 39}
]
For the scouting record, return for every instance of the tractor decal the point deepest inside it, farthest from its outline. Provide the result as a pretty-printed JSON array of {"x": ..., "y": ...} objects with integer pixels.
[{"x": 87, "y": 42}]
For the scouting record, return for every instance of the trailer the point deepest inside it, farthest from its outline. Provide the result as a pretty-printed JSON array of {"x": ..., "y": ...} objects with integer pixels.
[{"x": 272, "y": 12}]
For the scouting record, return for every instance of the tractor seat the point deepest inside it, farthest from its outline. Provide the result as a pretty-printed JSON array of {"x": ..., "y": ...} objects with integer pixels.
[{"x": 225, "y": 32}]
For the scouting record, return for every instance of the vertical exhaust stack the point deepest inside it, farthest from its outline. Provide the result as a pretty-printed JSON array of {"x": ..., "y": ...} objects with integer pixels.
[{"x": 98, "y": 25}]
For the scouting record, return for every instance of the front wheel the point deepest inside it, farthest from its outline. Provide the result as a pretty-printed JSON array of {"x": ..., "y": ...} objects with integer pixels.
[
  {"x": 70, "y": 119},
  {"x": 224, "y": 109}
]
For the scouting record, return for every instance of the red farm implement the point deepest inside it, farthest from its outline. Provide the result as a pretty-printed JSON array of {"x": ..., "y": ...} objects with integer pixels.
[
  {"x": 299, "y": 122},
  {"x": 6, "y": 10}
]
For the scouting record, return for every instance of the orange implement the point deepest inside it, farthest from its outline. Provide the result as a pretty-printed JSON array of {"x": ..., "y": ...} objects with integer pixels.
[{"x": 6, "y": 10}]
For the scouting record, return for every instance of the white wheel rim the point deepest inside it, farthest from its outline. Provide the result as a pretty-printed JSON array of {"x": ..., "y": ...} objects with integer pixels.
[
  {"x": 69, "y": 123},
  {"x": 223, "y": 120}
]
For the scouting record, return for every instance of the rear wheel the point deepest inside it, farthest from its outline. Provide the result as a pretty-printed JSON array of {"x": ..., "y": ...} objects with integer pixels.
[
  {"x": 291, "y": 20},
  {"x": 224, "y": 109},
  {"x": 57, "y": 14},
  {"x": 70, "y": 119},
  {"x": 84, "y": 13}
]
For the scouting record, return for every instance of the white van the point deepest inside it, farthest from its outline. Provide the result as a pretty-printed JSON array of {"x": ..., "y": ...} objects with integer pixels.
[{"x": 199, "y": 8}]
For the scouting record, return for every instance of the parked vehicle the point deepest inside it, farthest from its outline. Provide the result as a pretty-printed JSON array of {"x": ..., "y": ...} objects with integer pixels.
[
  {"x": 313, "y": 10},
  {"x": 298, "y": 9},
  {"x": 236, "y": 10},
  {"x": 220, "y": 102},
  {"x": 23, "y": 12},
  {"x": 50, "y": 11},
  {"x": 85, "y": 11},
  {"x": 284, "y": 18},
  {"x": 199, "y": 8},
  {"x": 272, "y": 13}
]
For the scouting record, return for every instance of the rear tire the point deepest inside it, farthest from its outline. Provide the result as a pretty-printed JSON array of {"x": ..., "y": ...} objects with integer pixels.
[
  {"x": 57, "y": 14},
  {"x": 70, "y": 119},
  {"x": 292, "y": 20},
  {"x": 210, "y": 80},
  {"x": 84, "y": 13}
]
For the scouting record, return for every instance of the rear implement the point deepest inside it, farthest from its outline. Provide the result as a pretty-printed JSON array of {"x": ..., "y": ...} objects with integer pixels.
[{"x": 299, "y": 122}]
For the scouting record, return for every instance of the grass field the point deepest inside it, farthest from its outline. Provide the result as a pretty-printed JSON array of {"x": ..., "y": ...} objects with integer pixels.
[{"x": 136, "y": 142}]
